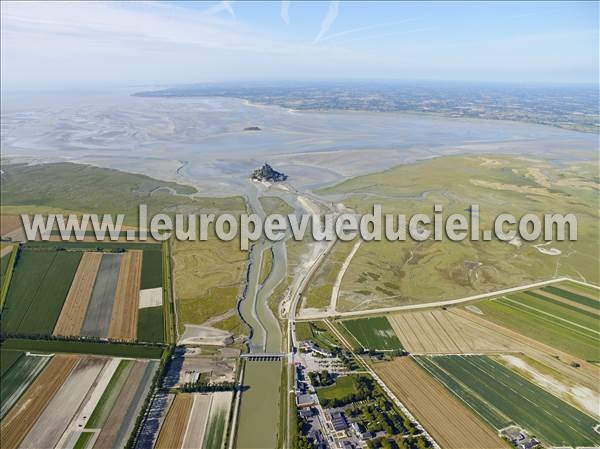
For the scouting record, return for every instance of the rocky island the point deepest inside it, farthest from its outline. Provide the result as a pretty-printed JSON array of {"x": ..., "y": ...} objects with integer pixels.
[
  {"x": 267, "y": 173},
  {"x": 252, "y": 128}
]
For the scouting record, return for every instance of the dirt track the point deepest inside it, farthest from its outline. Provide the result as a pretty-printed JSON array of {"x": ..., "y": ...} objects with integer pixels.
[
  {"x": 73, "y": 312},
  {"x": 19, "y": 421},
  {"x": 173, "y": 429},
  {"x": 450, "y": 423},
  {"x": 123, "y": 323}
]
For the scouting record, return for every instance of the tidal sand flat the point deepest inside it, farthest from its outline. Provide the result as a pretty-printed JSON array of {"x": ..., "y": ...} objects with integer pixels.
[{"x": 201, "y": 140}]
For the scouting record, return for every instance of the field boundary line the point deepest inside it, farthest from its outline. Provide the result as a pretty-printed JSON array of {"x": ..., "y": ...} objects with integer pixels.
[
  {"x": 237, "y": 399},
  {"x": 569, "y": 303},
  {"x": 170, "y": 324},
  {"x": 587, "y": 284},
  {"x": 8, "y": 275},
  {"x": 550, "y": 315},
  {"x": 582, "y": 334}
]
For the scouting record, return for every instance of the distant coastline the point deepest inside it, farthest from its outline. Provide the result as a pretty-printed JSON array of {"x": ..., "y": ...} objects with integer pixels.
[{"x": 568, "y": 107}]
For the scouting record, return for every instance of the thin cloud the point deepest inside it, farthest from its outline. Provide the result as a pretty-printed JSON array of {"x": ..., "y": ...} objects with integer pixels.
[
  {"x": 285, "y": 11},
  {"x": 225, "y": 5},
  {"x": 332, "y": 13},
  {"x": 365, "y": 28},
  {"x": 394, "y": 33}
]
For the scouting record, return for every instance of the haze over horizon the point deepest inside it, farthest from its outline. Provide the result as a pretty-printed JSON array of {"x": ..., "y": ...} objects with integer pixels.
[{"x": 81, "y": 45}]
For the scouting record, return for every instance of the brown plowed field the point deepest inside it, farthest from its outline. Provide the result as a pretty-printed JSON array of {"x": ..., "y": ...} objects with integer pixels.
[
  {"x": 30, "y": 406},
  {"x": 10, "y": 223},
  {"x": 450, "y": 423},
  {"x": 5, "y": 250},
  {"x": 172, "y": 431},
  {"x": 123, "y": 323},
  {"x": 73, "y": 312},
  {"x": 443, "y": 332}
]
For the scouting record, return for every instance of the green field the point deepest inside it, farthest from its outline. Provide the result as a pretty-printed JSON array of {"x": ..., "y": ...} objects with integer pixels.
[
  {"x": 585, "y": 290},
  {"x": 83, "y": 440},
  {"x": 343, "y": 387},
  {"x": 587, "y": 299},
  {"x": 259, "y": 409},
  {"x": 38, "y": 290},
  {"x": 8, "y": 359},
  {"x": 151, "y": 325},
  {"x": 151, "y": 268},
  {"x": 556, "y": 324},
  {"x": 216, "y": 428},
  {"x": 373, "y": 333},
  {"x": 4, "y": 264},
  {"x": 501, "y": 397},
  {"x": 15, "y": 380},
  {"x": 81, "y": 347},
  {"x": 6, "y": 273},
  {"x": 109, "y": 396}
]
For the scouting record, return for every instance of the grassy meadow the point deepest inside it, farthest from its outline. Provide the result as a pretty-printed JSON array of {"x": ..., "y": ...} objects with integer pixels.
[
  {"x": 206, "y": 277},
  {"x": 385, "y": 273},
  {"x": 151, "y": 325},
  {"x": 318, "y": 291},
  {"x": 85, "y": 189},
  {"x": 343, "y": 387}
]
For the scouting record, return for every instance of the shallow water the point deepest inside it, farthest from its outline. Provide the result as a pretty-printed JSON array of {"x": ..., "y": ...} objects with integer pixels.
[{"x": 201, "y": 140}]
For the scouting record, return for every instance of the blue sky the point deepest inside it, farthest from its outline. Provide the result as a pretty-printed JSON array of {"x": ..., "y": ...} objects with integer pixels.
[{"x": 92, "y": 44}]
